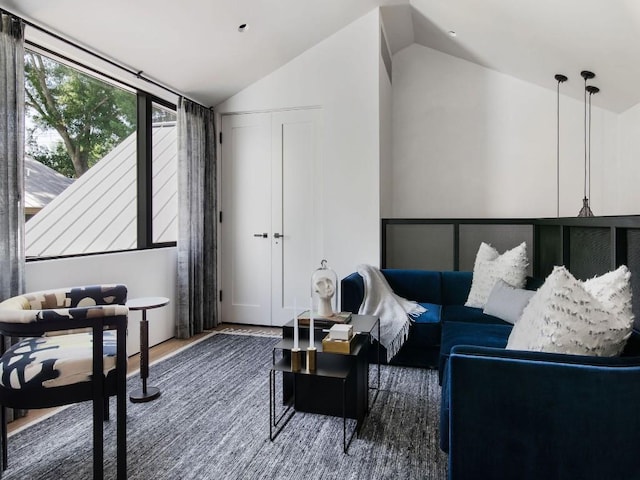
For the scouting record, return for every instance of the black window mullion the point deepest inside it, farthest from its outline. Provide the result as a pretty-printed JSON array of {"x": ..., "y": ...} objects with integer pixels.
[{"x": 144, "y": 171}]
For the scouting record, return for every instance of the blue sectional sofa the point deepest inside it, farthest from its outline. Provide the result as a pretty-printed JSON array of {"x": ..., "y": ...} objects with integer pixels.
[
  {"x": 443, "y": 294},
  {"x": 513, "y": 414}
]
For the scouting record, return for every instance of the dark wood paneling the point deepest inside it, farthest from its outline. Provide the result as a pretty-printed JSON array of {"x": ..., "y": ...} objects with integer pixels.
[
  {"x": 633, "y": 262},
  {"x": 548, "y": 249},
  {"x": 425, "y": 247},
  {"x": 502, "y": 237},
  {"x": 589, "y": 251}
]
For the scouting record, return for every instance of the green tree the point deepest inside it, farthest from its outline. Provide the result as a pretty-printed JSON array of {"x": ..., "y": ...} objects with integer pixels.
[
  {"x": 91, "y": 116},
  {"x": 56, "y": 158}
]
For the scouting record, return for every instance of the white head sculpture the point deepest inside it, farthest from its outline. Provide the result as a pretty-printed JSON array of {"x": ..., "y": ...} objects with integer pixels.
[{"x": 324, "y": 284}]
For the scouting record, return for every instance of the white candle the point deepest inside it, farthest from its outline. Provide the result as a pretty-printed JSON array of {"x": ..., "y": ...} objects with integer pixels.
[
  {"x": 295, "y": 325},
  {"x": 311, "y": 329}
]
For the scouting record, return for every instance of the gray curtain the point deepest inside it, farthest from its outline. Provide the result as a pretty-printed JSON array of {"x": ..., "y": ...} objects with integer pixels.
[
  {"x": 11, "y": 162},
  {"x": 197, "y": 276},
  {"x": 11, "y": 156}
]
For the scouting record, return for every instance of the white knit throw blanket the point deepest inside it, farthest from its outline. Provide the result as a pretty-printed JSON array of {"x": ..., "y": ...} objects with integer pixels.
[{"x": 393, "y": 310}]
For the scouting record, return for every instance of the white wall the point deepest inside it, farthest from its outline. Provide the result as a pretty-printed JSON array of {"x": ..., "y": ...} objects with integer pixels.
[
  {"x": 386, "y": 138},
  {"x": 341, "y": 75},
  {"x": 472, "y": 142},
  {"x": 626, "y": 192},
  {"x": 146, "y": 273}
]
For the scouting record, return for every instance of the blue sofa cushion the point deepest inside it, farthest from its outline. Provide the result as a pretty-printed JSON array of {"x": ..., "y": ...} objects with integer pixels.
[
  {"x": 432, "y": 315},
  {"x": 416, "y": 285},
  {"x": 460, "y": 313},
  {"x": 466, "y": 333},
  {"x": 426, "y": 330},
  {"x": 455, "y": 287}
]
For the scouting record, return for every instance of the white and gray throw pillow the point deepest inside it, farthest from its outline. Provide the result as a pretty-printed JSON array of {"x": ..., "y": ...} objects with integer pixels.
[
  {"x": 582, "y": 318},
  {"x": 490, "y": 267}
]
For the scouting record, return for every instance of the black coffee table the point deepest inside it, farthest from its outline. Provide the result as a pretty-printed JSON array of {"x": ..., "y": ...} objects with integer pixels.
[{"x": 338, "y": 387}]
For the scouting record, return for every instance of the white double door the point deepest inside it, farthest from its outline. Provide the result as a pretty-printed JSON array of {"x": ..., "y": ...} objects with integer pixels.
[{"x": 271, "y": 214}]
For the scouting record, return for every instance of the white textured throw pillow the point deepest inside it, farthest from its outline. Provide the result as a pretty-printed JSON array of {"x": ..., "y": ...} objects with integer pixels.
[
  {"x": 490, "y": 267},
  {"x": 507, "y": 302},
  {"x": 574, "y": 317}
]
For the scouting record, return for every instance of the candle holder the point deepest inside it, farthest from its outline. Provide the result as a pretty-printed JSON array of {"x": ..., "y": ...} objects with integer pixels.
[
  {"x": 296, "y": 359},
  {"x": 311, "y": 359}
]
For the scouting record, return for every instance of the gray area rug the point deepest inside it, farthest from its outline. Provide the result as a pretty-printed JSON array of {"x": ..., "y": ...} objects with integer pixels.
[{"x": 212, "y": 422}]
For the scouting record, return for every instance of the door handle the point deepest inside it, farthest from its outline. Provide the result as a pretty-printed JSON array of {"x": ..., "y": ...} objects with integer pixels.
[
  {"x": 277, "y": 235},
  {"x": 261, "y": 235}
]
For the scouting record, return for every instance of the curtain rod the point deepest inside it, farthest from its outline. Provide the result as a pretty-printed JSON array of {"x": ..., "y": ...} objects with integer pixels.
[{"x": 137, "y": 74}]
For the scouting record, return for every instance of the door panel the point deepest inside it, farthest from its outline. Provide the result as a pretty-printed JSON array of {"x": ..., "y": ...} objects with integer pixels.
[
  {"x": 246, "y": 206},
  {"x": 296, "y": 188},
  {"x": 270, "y": 184}
]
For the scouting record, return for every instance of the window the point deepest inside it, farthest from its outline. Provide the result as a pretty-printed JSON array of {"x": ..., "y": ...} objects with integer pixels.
[
  {"x": 165, "y": 174},
  {"x": 82, "y": 157}
]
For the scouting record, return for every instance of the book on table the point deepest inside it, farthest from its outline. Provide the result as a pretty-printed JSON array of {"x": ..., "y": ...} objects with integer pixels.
[{"x": 338, "y": 317}]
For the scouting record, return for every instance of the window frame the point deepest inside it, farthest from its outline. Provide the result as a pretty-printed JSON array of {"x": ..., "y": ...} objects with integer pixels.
[{"x": 144, "y": 155}]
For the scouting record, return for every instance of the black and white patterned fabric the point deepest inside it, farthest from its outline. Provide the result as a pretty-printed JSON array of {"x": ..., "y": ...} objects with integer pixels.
[
  {"x": 61, "y": 357},
  {"x": 54, "y": 361}
]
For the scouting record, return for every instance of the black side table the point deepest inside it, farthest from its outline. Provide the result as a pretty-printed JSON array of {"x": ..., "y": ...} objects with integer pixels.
[
  {"x": 339, "y": 386},
  {"x": 145, "y": 303}
]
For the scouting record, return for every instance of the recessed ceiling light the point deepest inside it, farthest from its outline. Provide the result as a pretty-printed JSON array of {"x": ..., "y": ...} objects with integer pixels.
[
  {"x": 243, "y": 28},
  {"x": 452, "y": 33}
]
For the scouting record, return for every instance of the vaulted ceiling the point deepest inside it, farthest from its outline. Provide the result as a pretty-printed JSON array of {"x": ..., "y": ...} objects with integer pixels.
[{"x": 194, "y": 46}]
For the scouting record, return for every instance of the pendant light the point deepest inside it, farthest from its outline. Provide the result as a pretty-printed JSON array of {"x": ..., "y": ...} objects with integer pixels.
[
  {"x": 585, "y": 211},
  {"x": 592, "y": 91},
  {"x": 560, "y": 79}
]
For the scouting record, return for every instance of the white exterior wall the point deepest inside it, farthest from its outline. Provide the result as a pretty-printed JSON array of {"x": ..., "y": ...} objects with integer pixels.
[
  {"x": 472, "y": 142},
  {"x": 341, "y": 75},
  {"x": 146, "y": 273}
]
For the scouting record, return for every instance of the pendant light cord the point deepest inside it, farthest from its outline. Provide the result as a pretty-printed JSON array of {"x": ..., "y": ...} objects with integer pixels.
[
  {"x": 560, "y": 78},
  {"x": 558, "y": 152},
  {"x": 589, "y": 145},
  {"x": 585, "y": 138}
]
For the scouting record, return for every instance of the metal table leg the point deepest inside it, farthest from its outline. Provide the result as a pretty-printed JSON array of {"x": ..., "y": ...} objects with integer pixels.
[
  {"x": 277, "y": 424},
  {"x": 145, "y": 394}
]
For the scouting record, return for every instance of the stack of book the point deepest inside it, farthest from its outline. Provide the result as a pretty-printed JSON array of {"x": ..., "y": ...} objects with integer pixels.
[{"x": 323, "y": 322}]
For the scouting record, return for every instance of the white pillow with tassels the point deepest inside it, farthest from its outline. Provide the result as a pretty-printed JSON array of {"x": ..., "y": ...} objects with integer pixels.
[
  {"x": 490, "y": 267},
  {"x": 581, "y": 318}
]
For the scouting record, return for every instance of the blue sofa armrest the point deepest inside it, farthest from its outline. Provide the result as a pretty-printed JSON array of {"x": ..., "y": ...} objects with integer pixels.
[{"x": 531, "y": 415}]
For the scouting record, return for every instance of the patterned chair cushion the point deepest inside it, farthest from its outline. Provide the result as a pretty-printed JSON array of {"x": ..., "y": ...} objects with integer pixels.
[{"x": 43, "y": 362}]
